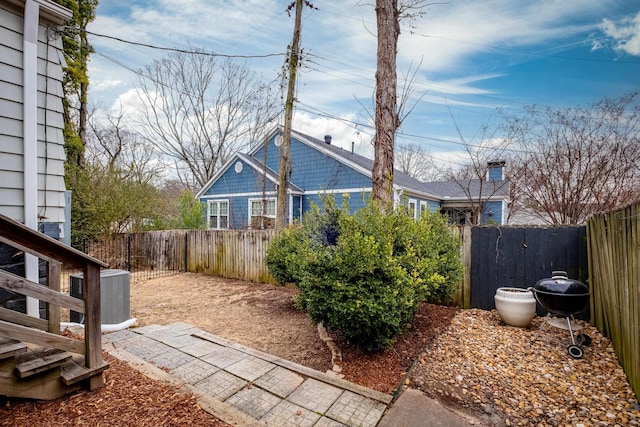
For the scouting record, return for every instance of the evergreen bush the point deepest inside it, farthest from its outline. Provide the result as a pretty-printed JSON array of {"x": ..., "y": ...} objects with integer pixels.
[{"x": 364, "y": 274}]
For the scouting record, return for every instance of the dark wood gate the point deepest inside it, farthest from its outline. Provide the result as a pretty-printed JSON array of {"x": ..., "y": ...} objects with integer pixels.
[{"x": 519, "y": 257}]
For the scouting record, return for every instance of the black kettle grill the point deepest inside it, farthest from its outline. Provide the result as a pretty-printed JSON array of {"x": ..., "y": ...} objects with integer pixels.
[{"x": 564, "y": 297}]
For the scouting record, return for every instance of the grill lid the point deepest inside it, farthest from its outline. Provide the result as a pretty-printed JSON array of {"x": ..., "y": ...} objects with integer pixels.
[{"x": 560, "y": 284}]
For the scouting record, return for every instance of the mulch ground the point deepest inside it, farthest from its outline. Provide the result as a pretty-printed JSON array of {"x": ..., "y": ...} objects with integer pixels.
[
  {"x": 385, "y": 371},
  {"x": 128, "y": 399}
]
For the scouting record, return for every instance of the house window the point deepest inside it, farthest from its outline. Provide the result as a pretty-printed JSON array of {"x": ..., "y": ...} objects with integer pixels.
[
  {"x": 460, "y": 216},
  {"x": 260, "y": 215},
  {"x": 218, "y": 216},
  {"x": 413, "y": 208},
  {"x": 423, "y": 206}
]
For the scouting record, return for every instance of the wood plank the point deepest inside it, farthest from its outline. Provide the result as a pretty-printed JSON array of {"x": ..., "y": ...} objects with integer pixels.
[
  {"x": 45, "y": 386},
  {"x": 53, "y": 283},
  {"x": 26, "y": 287},
  {"x": 10, "y": 348},
  {"x": 41, "y": 362},
  {"x": 31, "y": 241},
  {"x": 466, "y": 259},
  {"x": 73, "y": 371},
  {"x": 93, "y": 327},
  {"x": 42, "y": 338},
  {"x": 22, "y": 319}
]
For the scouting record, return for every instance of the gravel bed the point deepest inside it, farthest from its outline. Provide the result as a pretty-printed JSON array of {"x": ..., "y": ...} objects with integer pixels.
[{"x": 482, "y": 364}]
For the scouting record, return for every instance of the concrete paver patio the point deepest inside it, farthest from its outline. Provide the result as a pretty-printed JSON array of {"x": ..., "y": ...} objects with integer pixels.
[{"x": 244, "y": 386}]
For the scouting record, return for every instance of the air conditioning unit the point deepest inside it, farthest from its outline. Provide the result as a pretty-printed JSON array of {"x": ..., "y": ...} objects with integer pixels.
[{"x": 115, "y": 304}]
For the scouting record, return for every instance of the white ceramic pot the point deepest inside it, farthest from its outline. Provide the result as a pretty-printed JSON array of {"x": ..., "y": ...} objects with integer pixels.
[{"x": 516, "y": 306}]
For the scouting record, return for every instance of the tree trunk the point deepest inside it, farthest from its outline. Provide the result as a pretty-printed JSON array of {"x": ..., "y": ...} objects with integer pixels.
[{"x": 386, "y": 116}]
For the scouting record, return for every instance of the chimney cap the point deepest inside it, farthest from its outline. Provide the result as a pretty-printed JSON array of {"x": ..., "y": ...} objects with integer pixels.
[{"x": 327, "y": 139}]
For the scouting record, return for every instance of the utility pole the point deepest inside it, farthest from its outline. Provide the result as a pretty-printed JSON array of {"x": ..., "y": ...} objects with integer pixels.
[{"x": 284, "y": 171}]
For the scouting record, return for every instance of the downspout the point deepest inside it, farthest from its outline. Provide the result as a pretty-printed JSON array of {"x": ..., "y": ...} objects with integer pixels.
[{"x": 30, "y": 142}]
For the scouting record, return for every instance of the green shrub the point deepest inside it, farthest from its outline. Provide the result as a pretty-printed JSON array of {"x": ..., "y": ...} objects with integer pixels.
[{"x": 365, "y": 274}]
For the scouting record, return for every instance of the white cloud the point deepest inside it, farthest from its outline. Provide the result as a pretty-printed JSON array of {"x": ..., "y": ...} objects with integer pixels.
[
  {"x": 105, "y": 84},
  {"x": 343, "y": 134},
  {"x": 625, "y": 33},
  {"x": 452, "y": 33}
]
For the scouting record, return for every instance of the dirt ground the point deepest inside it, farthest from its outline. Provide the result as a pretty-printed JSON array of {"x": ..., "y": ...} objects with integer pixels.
[{"x": 264, "y": 317}]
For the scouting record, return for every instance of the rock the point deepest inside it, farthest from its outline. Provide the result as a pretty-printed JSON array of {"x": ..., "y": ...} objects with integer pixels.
[{"x": 503, "y": 373}]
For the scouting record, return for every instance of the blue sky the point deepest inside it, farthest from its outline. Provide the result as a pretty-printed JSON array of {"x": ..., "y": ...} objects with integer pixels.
[{"x": 478, "y": 60}]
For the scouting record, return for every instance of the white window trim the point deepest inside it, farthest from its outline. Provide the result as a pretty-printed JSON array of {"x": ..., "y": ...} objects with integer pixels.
[
  {"x": 267, "y": 199},
  {"x": 424, "y": 206},
  {"x": 217, "y": 202},
  {"x": 415, "y": 207}
]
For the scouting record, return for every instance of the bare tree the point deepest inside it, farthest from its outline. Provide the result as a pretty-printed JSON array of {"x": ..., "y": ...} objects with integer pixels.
[
  {"x": 112, "y": 145},
  {"x": 199, "y": 109},
  {"x": 414, "y": 161},
  {"x": 484, "y": 151},
  {"x": 578, "y": 161}
]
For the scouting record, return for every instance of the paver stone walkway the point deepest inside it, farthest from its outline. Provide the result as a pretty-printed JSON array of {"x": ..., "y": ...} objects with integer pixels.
[{"x": 246, "y": 386}]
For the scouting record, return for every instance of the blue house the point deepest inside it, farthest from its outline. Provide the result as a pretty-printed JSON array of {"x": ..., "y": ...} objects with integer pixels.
[{"x": 243, "y": 193}]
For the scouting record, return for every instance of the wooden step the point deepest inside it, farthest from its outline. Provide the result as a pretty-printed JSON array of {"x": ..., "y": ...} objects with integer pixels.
[
  {"x": 74, "y": 371},
  {"x": 10, "y": 348},
  {"x": 34, "y": 362}
]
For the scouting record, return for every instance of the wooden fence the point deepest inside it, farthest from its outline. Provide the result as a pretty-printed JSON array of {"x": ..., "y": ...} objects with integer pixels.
[
  {"x": 237, "y": 254},
  {"x": 518, "y": 257},
  {"x": 614, "y": 263}
]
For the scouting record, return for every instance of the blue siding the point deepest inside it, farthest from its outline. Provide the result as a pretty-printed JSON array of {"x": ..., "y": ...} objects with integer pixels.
[
  {"x": 312, "y": 170},
  {"x": 495, "y": 173},
  {"x": 433, "y": 205},
  {"x": 273, "y": 155},
  {"x": 496, "y": 212},
  {"x": 356, "y": 200},
  {"x": 247, "y": 181}
]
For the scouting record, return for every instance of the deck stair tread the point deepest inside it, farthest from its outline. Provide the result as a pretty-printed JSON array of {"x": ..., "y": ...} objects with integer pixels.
[
  {"x": 10, "y": 348},
  {"x": 36, "y": 361},
  {"x": 74, "y": 371}
]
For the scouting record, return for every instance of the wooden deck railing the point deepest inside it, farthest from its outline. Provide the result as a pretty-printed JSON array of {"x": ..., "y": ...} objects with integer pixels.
[{"x": 42, "y": 332}]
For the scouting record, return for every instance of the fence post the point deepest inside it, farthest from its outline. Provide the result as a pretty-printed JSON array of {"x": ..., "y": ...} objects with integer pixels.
[
  {"x": 129, "y": 252},
  {"x": 186, "y": 250},
  {"x": 466, "y": 249}
]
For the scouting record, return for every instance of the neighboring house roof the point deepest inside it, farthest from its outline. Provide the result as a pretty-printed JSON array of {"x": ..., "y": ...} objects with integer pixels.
[
  {"x": 444, "y": 191},
  {"x": 400, "y": 179},
  {"x": 463, "y": 189}
]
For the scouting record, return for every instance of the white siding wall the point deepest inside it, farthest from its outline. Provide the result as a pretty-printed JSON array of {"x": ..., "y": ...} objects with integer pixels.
[{"x": 50, "y": 116}]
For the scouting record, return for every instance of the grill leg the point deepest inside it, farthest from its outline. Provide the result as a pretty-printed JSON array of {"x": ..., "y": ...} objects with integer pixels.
[
  {"x": 573, "y": 339},
  {"x": 540, "y": 329}
]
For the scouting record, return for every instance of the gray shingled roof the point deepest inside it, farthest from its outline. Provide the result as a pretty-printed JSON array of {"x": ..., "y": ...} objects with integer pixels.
[
  {"x": 399, "y": 178},
  {"x": 462, "y": 189},
  {"x": 468, "y": 188}
]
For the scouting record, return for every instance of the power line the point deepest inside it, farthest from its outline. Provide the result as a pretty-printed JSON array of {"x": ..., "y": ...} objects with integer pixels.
[
  {"x": 312, "y": 110},
  {"x": 159, "y": 83},
  {"x": 171, "y": 49}
]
